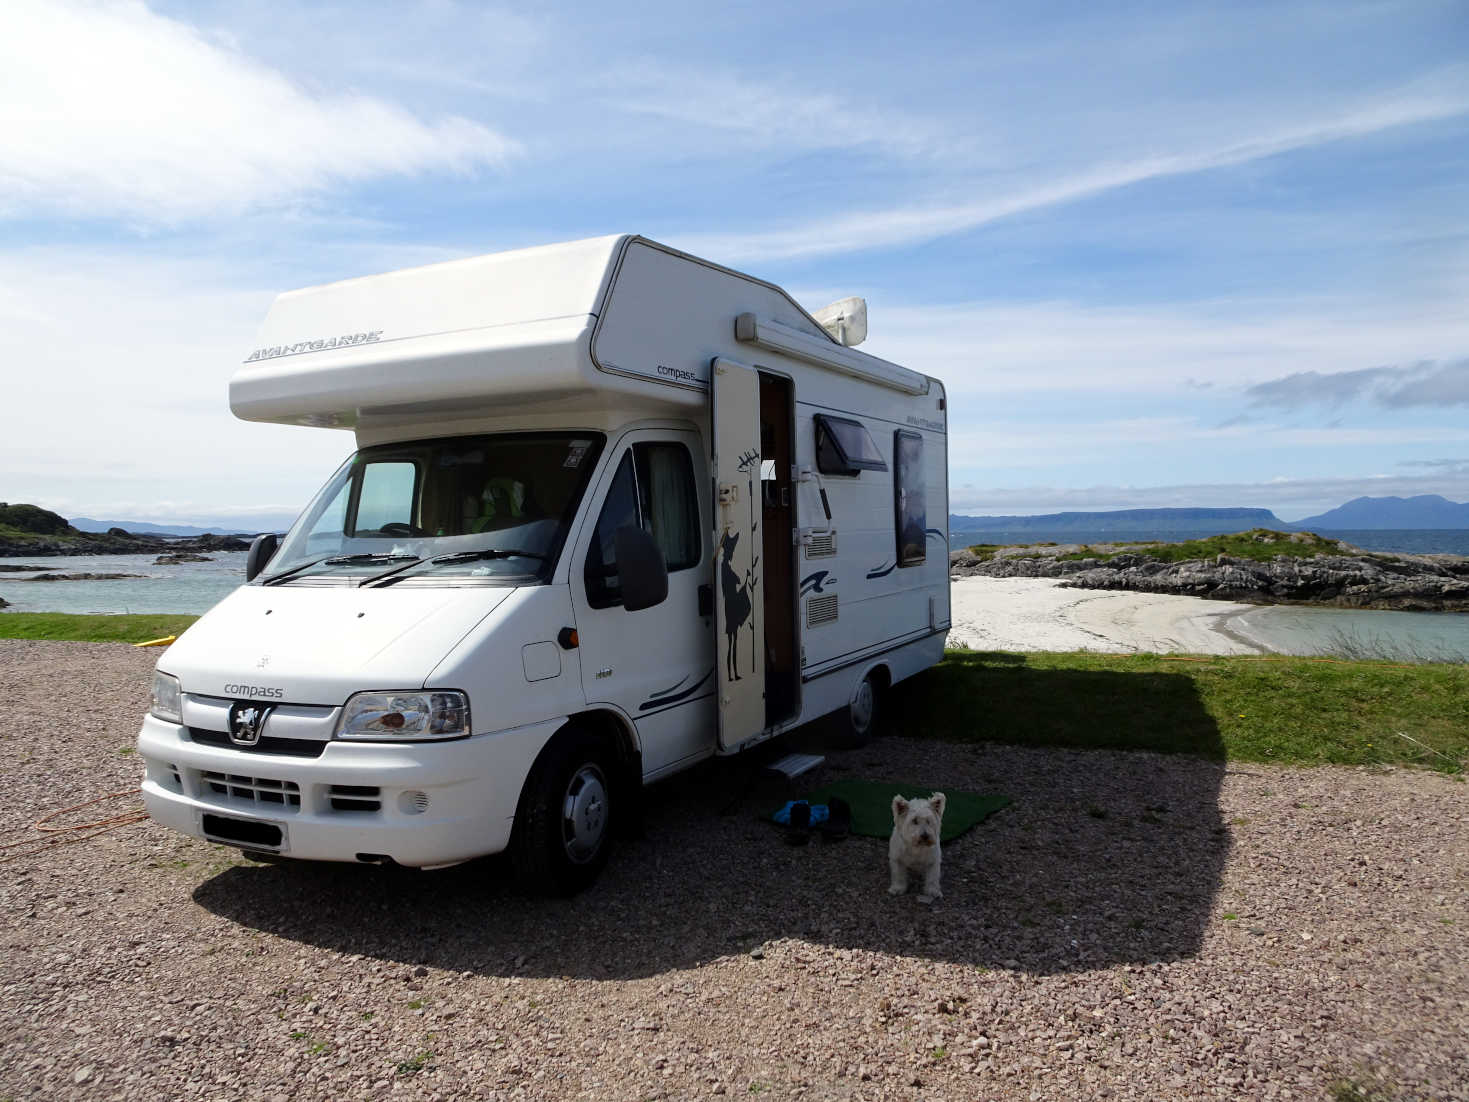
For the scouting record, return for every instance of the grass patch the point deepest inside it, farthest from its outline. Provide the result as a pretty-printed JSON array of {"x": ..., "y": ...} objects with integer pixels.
[
  {"x": 415, "y": 1064},
  {"x": 986, "y": 551},
  {"x": 1258, "y": 544},
  {"x": 91, "y": 629},
  {"x": 1361, "y": 1088},
  {"x": 1296, "y": 711}
]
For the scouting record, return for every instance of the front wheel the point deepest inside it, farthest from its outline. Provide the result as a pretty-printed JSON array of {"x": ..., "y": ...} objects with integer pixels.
[
  {"x": 854, "y": 725},
  {"x": 563, "y": 825}
]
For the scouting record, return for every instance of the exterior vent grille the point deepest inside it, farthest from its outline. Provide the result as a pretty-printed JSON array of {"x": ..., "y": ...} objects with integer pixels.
[
  {"x": 821, "y": 610},
  {"x": 821, "y": 545},
  {"x": 252, "y": 790},
  {"x": 355, "y": 797}
]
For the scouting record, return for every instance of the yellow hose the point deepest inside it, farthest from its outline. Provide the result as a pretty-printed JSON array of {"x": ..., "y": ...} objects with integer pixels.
[{"x": 165, "y": 641}]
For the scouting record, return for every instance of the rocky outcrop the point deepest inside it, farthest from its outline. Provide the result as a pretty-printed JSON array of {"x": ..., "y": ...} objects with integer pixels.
[
  {"x": 84, "y": 543},
  {"x": 27, "y": 530},
  {"x": 175, "y": 559},
  {"x": 1416, "y": 583},
  {"x": 84, "y": 577},
  {"x": 211, "y": 542}
]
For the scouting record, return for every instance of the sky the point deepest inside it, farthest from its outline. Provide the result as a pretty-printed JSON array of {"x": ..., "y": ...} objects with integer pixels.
[{"x": 1160, "y": 254}]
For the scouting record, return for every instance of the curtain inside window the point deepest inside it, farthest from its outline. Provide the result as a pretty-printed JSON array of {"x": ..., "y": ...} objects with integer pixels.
[{"x": 672, "y": 506}]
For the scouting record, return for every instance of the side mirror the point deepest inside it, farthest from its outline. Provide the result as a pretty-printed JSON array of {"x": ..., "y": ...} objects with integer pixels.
[
  {"x": 262, "y": 550},
  {"x": 641, "y": 569}
]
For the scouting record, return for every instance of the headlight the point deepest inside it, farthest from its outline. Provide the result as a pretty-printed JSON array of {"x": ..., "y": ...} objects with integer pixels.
[
  {"x": 389, "y": 717},
  {"x": 166, "y": 703}
]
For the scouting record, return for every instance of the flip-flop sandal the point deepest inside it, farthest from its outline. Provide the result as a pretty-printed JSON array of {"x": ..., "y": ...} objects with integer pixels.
[
  {"x": 798, "y": 833},
  {"x": 838, "y": 822}
]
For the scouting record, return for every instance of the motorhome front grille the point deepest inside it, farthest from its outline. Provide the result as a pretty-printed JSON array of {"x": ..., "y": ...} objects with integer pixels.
[
  {"x": 821, "y": 545},
  {"x": 254, "y": 790},
  {"x": 289, "y": 747},
  {"x": 355, "y": 797},
  {"x": 821, "y": 610}
]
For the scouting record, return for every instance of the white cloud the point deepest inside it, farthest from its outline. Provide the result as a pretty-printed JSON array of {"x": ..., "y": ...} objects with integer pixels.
[
  {"x": 108, "y": 109},
  {"x": 116, "y": 379},
  {"x": 1443, "y": 98},
  {"x": 766, "y": 113},
  {"x": 980, "y": 350},
  {"x": 979, "y": 445}
]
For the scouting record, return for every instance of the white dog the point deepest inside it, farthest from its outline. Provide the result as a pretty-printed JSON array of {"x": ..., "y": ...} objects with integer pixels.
[{"x": 914, "y": 846}]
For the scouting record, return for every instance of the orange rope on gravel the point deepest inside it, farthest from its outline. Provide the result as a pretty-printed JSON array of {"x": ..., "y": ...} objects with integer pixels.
[{"x": 94, "y": 828}]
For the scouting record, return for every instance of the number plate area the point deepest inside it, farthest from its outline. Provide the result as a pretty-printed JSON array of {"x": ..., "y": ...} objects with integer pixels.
[{"x": 251, "y": 833}]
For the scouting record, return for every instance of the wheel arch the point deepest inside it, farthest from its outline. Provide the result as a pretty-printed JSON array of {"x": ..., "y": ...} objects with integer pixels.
[
  {"x": 606, "y": 724},
  {"x": 880, "y": 672},
  {"x": 616, "y": 728}
]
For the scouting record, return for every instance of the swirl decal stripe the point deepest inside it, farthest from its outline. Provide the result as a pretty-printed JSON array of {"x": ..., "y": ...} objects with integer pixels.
[{"x": 659, "y": 701}]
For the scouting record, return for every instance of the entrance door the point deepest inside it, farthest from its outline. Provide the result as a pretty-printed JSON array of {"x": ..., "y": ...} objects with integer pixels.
[
  {"x": 782, "y": 669},
  {"x": 739, "y": 594}
]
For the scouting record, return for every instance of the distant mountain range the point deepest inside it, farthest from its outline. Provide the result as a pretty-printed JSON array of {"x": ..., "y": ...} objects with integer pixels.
[
  {"x": 1124, "y": 521},
  {"x": 1427, "y": 511},
  {"x": 1424, "y": 511},
  {"x": 220, "y": 526}
]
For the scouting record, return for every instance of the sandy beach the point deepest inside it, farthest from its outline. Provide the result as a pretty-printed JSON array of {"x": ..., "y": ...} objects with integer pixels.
[{"x": 1024, "y": 614}]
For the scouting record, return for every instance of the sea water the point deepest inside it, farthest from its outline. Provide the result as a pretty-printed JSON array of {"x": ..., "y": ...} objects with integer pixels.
[
  {"x": 191, "y": 587},
  {"x": 1356, "y": 633}
]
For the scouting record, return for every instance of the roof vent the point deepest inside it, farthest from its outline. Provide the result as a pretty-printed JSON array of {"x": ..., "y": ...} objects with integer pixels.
[{"x": 845, "y": 320}]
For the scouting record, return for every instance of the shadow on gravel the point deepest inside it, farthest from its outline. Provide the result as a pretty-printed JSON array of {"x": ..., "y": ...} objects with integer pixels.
[{"x": 1105, "y": 857}]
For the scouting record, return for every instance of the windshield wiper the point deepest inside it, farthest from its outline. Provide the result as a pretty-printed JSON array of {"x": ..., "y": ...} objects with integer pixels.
[
  {"x": 407, "y": 560},
  {"x": 487, "y": 553},
  {"x": 340, "y": 560},
  {"x": 337, "y": 560},
  {"x": 461, "y": 556},
  {"x": 284, "y": 574}
]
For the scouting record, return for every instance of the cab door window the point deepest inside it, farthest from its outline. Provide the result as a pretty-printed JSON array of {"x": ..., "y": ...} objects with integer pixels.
[{"x": 653, "y": 489}]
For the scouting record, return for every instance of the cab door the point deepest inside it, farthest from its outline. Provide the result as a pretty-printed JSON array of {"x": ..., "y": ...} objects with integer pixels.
[
  {"x": 739, "y": 593},
  {"x": 655, "y": 665}
]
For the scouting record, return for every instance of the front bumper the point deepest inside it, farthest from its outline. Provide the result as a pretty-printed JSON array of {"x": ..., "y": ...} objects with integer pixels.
[{"x": 419, "y": 804}]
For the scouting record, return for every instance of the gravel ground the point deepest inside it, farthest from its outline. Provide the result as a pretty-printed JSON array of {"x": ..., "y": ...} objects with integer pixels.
[{"x": 1134, "y": 926}]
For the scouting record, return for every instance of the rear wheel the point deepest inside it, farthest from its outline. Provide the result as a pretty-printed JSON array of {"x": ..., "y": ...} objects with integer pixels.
[
  {"x": 563, "y": 827},
  {"x": 857, "y": 723},
  {"x": 854, "y": 725}
]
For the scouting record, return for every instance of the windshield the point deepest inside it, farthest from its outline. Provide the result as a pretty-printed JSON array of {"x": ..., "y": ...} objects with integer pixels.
[{"x": 488, "y": 508}]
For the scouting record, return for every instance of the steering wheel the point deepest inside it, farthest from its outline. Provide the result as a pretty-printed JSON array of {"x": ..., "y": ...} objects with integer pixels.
[{"x": 398, "y": 528}]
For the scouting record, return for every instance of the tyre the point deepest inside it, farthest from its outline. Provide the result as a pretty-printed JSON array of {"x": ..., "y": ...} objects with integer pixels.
[
  {"x": 854, "y": 725},
  {"x": 563, "y": 826}
]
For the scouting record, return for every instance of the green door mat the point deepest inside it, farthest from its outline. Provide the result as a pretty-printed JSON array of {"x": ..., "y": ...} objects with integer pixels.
[{"x": 872, "y": 805}]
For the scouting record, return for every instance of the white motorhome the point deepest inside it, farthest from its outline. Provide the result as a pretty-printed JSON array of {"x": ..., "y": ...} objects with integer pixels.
[{"x": 613, "y": 510}]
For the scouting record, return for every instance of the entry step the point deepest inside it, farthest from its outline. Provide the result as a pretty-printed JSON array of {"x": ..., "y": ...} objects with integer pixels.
[{"x": 793, "y": 765}]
